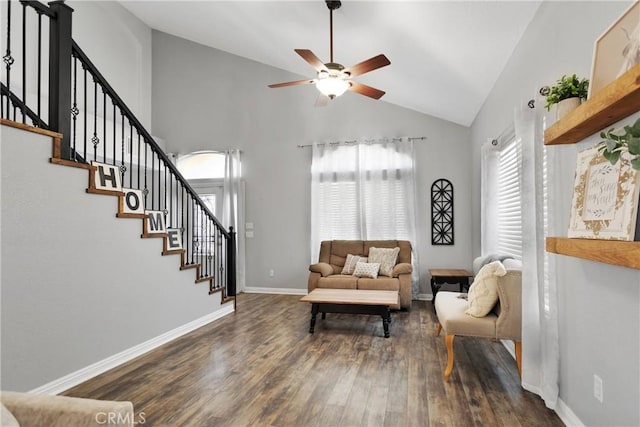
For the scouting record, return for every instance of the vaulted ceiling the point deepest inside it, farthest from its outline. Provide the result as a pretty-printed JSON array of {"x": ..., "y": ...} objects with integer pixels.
[{"x": 445, "y": 55}]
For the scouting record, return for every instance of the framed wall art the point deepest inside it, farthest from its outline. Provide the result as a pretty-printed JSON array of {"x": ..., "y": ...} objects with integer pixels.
[
  {"x": 442, "y": 212},
  {"x": 605, "y": 198},
  {"x": 617, "y": 50}
]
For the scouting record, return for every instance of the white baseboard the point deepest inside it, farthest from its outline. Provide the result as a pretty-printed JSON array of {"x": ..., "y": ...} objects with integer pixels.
[
  {"x": 567, "y": 416},
  {"x": 425, "y": 297},
  {"x": 510, "y": 346},
  {"x": 279, "y": 291},
  {"x": 84, "y": 374}
]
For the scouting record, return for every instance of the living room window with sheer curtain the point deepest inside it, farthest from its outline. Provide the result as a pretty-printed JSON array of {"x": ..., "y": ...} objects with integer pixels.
[
  {"x": 501, "y": 196},
  {"x": 363, "y": 191}
]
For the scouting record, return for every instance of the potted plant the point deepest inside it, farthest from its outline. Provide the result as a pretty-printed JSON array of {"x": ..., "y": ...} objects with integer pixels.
[
  {"x": 618, "y": 141},
  {"x": 568, "y": 92}
]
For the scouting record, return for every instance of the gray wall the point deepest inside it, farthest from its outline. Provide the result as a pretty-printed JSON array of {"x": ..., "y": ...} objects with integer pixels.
[
  {"x": 599, "y": 304},
  {"x": 78, "y": 285},
  {"x": 119, "y": 44},
  {"x": 204, "y": 98}
]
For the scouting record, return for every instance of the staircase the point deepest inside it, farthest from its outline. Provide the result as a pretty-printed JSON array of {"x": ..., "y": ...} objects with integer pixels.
[{"x": 93, "y": 129}]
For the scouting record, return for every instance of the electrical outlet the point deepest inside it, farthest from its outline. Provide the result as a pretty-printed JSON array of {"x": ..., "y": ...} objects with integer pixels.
[
  {"x": 598, "y": 391},
  {"x": 272, "y": 273}
]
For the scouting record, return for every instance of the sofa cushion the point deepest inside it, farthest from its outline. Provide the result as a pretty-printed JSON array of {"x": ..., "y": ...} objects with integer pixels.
[
  {"x": 367, "y": 269},
  {"x": 379, "y": 284},
  {"x": 6, "y": 417},
  {"x": 343, "y": 248},
  {"x": 386, "y": 257},
  {"x": 483, "y": 293},
  {"x": 338, "y": 281},
  {"x": 350, "y": 263}
]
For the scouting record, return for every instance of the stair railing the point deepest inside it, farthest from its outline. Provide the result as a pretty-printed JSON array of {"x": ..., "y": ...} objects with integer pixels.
[{"x": 98, "y": 126}]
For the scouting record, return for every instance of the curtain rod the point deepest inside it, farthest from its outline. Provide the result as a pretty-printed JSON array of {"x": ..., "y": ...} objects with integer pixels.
[{"x": 353, "y": 141}]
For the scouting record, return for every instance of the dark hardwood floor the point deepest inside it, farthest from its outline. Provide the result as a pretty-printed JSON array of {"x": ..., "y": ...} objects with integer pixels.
[{"x": 261, "y": 367}]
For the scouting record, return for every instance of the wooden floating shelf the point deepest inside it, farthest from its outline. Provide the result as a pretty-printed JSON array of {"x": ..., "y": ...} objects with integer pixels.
[
  {"x": 619, "y": 99},
  {"x": 616, "y": 101},
  {"x": 625, "y": 254}
]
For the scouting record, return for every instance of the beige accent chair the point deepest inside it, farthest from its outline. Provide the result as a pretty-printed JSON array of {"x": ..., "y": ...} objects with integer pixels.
[
  {"x": 45, "y": 410},
  {"x": 503, "y": 322},
  {"x": 333, "y": 254}
]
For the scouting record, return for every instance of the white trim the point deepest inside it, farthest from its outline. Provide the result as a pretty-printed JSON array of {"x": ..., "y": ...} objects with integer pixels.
[
  {"x": 510, "y": 346},
  {"x": 86, "y": 373},
  {"x": 425, "y": 297},
  {"x": 278, "y": 291},
  {"x": 567, "y": 416}
]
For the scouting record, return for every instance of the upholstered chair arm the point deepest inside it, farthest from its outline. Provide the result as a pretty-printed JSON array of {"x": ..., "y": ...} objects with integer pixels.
[
  {"x": 402, "y": 268},
  {"x": 323, "y": 268},
  {"x": 509, "y": 308},
  {"x": 44, "y": 410}
]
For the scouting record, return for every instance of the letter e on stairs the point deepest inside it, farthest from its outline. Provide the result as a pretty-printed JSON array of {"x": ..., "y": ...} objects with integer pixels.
[{"x": 174, "y": 239}]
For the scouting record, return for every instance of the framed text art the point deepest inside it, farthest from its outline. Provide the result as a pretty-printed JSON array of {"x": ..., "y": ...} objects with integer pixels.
[{"x": 605, "y": 198}]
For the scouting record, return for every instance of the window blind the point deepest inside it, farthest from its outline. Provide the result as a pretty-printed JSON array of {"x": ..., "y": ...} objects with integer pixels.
[
  {"x": 363, "y": 192},
  {"x": 508, "y": 201}
]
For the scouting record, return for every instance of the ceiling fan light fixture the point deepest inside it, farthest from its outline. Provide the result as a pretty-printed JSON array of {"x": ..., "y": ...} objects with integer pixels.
[
  {"x": 334, "y": 79},
  {"x": 331, "y": 86}
]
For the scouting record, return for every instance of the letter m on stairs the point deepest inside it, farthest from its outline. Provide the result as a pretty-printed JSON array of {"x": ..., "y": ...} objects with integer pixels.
[{"x": 154, "y": 222}]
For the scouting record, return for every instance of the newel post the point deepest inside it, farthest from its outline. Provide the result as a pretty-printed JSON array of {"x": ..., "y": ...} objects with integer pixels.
[
  {"x": 231, "y": 263},
  {"x": 60, "y": 74}
]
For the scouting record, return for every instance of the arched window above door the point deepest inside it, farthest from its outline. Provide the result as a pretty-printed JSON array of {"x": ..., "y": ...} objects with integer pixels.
[{"x": 202, "y": 165}]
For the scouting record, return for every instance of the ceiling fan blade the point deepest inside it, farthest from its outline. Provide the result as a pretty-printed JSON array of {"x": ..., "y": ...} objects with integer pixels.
[
  {"x": 312, "y": 59},
  {"x": 297, "y": 82},
  {"x": 322, "y": 100},
  {"x": 365, "y": 90},
  {"x": 368, "y": 65}
]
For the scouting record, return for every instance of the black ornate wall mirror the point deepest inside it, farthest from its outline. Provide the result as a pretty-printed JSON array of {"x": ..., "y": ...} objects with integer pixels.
[{"x": 442, "y": 212}]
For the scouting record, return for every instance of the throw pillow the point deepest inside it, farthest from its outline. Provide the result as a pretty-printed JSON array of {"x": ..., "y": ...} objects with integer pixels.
[
  {"x": 483, "y": 293},
  {"x": 350, "y": 263},
  {"x": 386, "y": 257},
  {"x": 367, "y": 269}
]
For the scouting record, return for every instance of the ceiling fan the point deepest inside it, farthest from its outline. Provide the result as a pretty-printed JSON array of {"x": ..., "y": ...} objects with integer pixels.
[{"x": 334, "y": 79}]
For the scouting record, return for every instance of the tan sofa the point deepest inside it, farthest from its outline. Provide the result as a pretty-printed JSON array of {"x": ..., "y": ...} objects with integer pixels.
[
  {"x": 333, "y": 254},
  {"x": 37, "y": 410}
]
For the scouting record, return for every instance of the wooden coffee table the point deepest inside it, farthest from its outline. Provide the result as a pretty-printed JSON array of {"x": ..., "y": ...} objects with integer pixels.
[{"x": 352, "y": 301}]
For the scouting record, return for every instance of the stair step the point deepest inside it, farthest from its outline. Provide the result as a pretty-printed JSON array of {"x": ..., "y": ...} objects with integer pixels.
[
  {"x": 150, "y": 236},
  {"x": 173, "y": 252},
  {"x": 131, "y": 215},
  {"x": 204, "y": 279},
  {"x": 104, "y": 192},
  {"x": 69, "y": 163},
  {"x": 228, "y": 299},
  {"x": 189, "y": 266}
]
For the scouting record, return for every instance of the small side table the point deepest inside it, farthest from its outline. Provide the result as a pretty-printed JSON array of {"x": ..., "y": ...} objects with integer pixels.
[{"x": 441, "y": 276}]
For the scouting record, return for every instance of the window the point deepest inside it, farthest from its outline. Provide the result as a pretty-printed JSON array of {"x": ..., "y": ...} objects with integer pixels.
[
  {"x": 202, "y": 165},
  {"x": 501, "y": 196},
  {"x": 362, "y": 191},
  {"x": 204, "y": 171},
  {"x": 508, "y": 209}
]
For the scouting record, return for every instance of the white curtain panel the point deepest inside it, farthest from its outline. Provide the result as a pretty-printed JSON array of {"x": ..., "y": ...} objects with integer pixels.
[
  {"x": 364, "y": 191},
  {"x": 233, "y": 210},
  {"x": 540, "y": 353}
]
